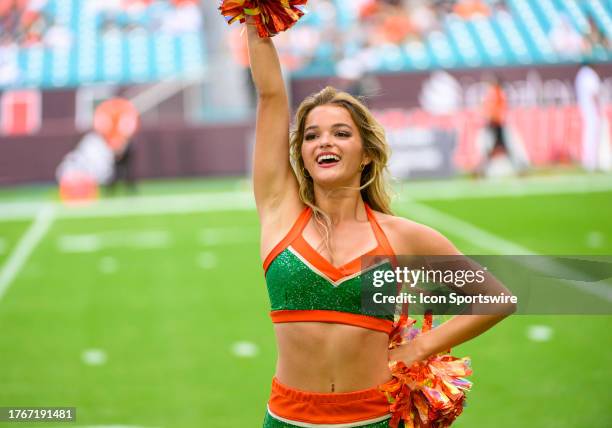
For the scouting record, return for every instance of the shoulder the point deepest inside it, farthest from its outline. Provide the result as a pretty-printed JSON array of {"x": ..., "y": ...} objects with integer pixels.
[{"x": 412, "y": 238}]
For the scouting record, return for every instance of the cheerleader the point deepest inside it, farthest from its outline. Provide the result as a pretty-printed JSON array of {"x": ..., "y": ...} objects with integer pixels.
[{"x": 323, "y": 203}]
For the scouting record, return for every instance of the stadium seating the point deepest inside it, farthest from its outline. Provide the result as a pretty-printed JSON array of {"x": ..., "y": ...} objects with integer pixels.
[
  {"x": 94, "y": 53},
  {"x": 134, "y": 51},
  {"x": 519, "y": 34}
]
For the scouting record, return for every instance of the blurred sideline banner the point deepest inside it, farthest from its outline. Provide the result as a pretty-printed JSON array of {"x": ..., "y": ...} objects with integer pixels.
[
  {"x": 20, "y": 112},
  {"x": 442, "y": 145},
  {"x": 544, "y": 120}
]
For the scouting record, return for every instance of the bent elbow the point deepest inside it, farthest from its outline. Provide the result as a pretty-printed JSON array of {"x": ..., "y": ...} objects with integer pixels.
[{"x": 510, "y": 308}]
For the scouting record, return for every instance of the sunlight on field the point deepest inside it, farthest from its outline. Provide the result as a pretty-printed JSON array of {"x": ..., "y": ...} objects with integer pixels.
[{"x": 160, "y": 319}]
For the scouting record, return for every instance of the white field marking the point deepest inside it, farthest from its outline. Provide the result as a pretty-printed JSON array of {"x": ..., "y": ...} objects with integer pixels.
[
  {"x": 94, "y": 357},
  {"x": 136, "y": 239},
  {"x": 595, "y": 239},
  {"x": 243, "y": 201},
  {"x": 245, "y": 349},
  {"x": 506, "y": 187},
  {"x": 500, "y": 246},
  {"x": 20, "y": 210},
  {"x": 135, "y": 206},
  {"x": 89, "y": 243},
  {"x": 25, "y": 246},
  {"x": 228, "y": 235},
  {"x": 463, "y": 229},
  {"x": 154, "y": 205},
  {"x": 207, "y": 260},
  {"x": 3, "y": 245},
  {"x": 539, "y": 333},
  {"x": 108, "y": 265}
]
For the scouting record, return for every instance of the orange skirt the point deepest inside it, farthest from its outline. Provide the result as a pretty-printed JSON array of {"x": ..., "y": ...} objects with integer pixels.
[{"x": 302, "y": 408}]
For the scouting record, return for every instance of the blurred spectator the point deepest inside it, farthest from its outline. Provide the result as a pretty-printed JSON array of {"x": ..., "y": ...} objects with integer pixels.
[
  {"x": 58, "y": 36},
  {"x": 9, "y": 66},
  {"x": 24, "y": 21},
  {"x": 424, "y": 18},
  {"x": 565, "y": 39},
  {"x": 185, "y": 16},
  {"x": 588, "y": 90},
  {"x": 396, "y": 25},
  {"x": 595, "y": 39},
  {"x": 170, "y": 16},
  {"x": 468, "y": 9}
]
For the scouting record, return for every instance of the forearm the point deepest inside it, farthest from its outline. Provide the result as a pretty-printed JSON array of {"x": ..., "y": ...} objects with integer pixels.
[
  {"x": 456, "y": 331},
  {"x": 265, "y": 65}
]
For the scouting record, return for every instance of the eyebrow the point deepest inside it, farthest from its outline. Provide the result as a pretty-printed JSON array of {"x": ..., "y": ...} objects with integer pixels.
[{"x": 335, "y": 125}]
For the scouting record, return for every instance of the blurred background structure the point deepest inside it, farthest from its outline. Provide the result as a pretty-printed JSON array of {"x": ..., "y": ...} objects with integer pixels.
[
  {"x": 424, "y": 66},
  {"x": 149, "y": 309}
]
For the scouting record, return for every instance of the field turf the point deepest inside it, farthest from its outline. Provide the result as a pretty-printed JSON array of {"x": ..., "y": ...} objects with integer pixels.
[{"x": 156, "y": 314}]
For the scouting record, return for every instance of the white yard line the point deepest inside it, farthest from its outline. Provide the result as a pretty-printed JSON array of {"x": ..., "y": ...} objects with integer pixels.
[
  {"x": 10, "y": 211},
  {"x": 496, "y": 244},
  {"x": 25, "y": 247},
  {"x": 243, "y": 201},
  {"x": 513, "y": 187},
  {"x": 463, "y": 229},
  {"x": 136, "y": 206},
  {"x": 153, "y": 205}
]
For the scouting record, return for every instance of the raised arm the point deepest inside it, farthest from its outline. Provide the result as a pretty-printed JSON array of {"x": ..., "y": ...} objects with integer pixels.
[{"x": 275, "y": 184}]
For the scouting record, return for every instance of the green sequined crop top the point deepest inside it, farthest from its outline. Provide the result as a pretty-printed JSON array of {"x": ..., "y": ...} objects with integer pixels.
[{"x": 304, "y": 286}]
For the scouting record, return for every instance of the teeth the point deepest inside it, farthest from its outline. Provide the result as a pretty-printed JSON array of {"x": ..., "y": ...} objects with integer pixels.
[{"x": 328, "y": 157}]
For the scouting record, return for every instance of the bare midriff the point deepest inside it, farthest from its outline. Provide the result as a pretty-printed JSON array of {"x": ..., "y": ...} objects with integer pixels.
[{"x": 331, "y": 358}]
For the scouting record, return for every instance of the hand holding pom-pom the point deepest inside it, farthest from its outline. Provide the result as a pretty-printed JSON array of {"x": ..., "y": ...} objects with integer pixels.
[
  {"x": 429, "y": 393},
  {"x": 270, "y": 16}
]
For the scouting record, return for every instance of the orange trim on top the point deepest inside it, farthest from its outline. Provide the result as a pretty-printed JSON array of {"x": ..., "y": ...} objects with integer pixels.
[
  {"x": 324, "y": 408},
  {"x": 381, "y": 237},
  {"x": 324, "y": 266},
  {"x": 384, "y": 243},
  {"x": 296, "y": 240},
  {"x": 295, "y": 231},
  {"x": 336, "y": 317},
  {"x": 312, "y": 256}
]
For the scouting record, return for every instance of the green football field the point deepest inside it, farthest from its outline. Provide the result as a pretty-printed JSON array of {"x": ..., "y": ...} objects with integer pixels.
[{"x": 151, "y": 311}]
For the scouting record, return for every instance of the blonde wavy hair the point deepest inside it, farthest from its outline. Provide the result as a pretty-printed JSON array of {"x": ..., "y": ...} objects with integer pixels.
[{"x": 374, "y": 186}]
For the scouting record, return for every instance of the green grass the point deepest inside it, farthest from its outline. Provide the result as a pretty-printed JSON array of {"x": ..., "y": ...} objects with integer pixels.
[
  {"x": 166, "y": 302},
  {"x": 143, "y": 188},
  {"x": 548, "y": 224}
]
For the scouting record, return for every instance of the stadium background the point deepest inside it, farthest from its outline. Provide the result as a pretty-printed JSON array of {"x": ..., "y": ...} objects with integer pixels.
[{"x": 148, "y": 308}]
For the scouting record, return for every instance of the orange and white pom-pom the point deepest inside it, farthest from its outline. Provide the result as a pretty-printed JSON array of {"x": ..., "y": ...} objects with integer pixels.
[
  {"x": 270, "y": 16},
  {"x": 430, "y": 393}
]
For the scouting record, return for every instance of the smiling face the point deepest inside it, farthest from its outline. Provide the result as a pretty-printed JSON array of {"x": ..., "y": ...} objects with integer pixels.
[{"x": 332, "y": 149}]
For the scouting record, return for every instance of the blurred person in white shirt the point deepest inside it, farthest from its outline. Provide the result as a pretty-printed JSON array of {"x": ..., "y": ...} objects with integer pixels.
[
  {"x": 9, "y": 61},
  {"x": 566, "y": 40},
  {"x": 588, "y": 94}
]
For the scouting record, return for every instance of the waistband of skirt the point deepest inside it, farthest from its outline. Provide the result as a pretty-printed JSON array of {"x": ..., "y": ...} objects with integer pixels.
[
  {"x": 314, "y": 409},
  {"x": 325, "y": 398}
]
